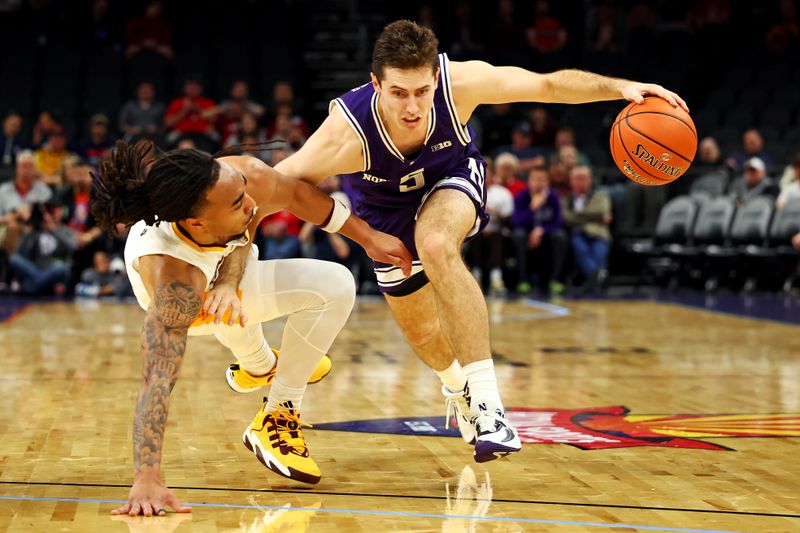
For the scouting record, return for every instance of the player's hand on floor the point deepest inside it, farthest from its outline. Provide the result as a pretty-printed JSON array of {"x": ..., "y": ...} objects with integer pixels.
[
  {"x": 386, "y": 248},
  {"x": 219, "y": 300},
  {"x": 150, "y": 497}
]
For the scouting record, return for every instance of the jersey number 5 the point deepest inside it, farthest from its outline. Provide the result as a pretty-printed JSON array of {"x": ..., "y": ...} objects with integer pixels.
[{"x": 412, "y": 181}]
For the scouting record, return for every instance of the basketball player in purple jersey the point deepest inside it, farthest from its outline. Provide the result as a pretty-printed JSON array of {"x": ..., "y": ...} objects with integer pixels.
[{"x": 402, "y": 143}]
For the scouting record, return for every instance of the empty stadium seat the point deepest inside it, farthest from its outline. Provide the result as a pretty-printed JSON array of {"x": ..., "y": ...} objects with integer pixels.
[
  {"x": 750, "y": 226},
  {"x": 673, "y": 228},
  {"x": 777, "y": 258},
  {"x": 712, "y": 183}
]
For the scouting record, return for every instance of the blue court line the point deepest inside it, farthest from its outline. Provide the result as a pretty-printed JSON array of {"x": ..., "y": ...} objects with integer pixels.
[{"x": 387, "y": 513}]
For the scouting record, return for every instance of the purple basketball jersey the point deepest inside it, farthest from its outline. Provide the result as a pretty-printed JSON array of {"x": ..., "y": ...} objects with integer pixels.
[{"x": 391, "y": 189}]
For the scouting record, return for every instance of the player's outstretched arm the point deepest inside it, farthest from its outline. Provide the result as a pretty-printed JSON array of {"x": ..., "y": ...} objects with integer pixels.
[
  {"x": 477, "y": 82},
  {"x": 273, "y": 192},
  {"x": 176, "y": 291}
]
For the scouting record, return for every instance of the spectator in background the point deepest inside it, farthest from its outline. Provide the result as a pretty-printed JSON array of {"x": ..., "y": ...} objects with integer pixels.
[
  {"x": 796, "y": 241},
  {"x": 566, "y": 160},
  {"x": 566, "y": 137},
  {"x": 279, "y": 236},
  {"x": 279, "y": 152},
  {"x": 103, "y": 280},
  {"x": 784, "y": 34},
  {"x": 498, "y": 123},
  {"x": 486, "y": 248},
  {"x": 51, "y": 156},
  {"x": 227, "y": 120},
  {"x": 521, "y": 146},
  {"x": 752, "y": 146},
  {"x": 76, "y": 199},
  {"x": 538, "y": 234},
  {"x": 506, "y": 167},
  {"x": 546, "y": 36},
  {"x": 465, "y": 44},
  {"x": 791, "y": 174},
  {"x": 240, "y": 94},
  {"x": 143, "y": 116},
  {"x": 102, "y": 29},
  {"x": 17, "y": 198},
  {"x": 282, "y": 94},
  {"x": 286, "y": 129},
  {"x": 709, "y": 157},
  {"x": 41, "y": 263},
  {"x": 587, "y": 216},
  {"x": 296, "y": 120},
  {"x": 149, "y": 31},
  {"x": 753, "y": 183},
  {"x": 543, "y": 128},
  {"x": 10, "y": 145},
  {"x": 246, "y": 128},
  {"x": 189, "y": 115},
  {"x": 506, "y": 36},
  {"x": 99, "y": 143},
  {"x": 26, "y": 189},
  {"x": 45, "y": 126}
]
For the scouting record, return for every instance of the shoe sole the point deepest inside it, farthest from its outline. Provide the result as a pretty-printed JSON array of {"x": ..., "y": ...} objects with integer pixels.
[
  {"x": 268, "y": 460},
  {"x": 491, "y": 451}
]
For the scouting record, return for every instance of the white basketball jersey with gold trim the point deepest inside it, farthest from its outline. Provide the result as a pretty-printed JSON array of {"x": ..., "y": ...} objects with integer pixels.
[{"x": 168, "y": 239}]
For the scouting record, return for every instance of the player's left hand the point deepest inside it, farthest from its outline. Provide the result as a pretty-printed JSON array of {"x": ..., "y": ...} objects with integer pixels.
[
  {"x": 217, "y": 302},
  {"x": 387, "y": 248},
  {"x": 635, "y": 92}
]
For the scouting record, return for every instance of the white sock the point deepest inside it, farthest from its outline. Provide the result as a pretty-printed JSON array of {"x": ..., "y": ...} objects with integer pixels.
[
  {"x": 280, "y": 393},
  {"x": 482, "y": 384},
  {"x": 259, "y": 362},
  {"x": 453, "y": 377}
]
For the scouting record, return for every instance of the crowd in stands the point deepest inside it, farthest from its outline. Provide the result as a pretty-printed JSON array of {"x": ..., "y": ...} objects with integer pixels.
[{"x": 551, "y": 197}]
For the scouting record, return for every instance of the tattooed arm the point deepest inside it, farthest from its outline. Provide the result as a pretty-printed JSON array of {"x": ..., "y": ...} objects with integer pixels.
[{"x": 176, "y": 290}]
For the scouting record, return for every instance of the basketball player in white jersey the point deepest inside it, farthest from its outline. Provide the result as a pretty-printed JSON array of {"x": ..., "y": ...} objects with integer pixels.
[
  {"x": 189, "y": 211},
  {"x": 402, "y": 143}
]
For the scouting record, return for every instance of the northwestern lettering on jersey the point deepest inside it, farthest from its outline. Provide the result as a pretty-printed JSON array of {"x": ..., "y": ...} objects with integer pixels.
[
  {"x": 373, "y": 179},
  {"x": 645, "y": 156}
]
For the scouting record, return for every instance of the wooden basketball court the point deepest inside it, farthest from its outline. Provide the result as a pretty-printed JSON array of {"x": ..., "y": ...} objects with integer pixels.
[{"x": 691, "y": 417}]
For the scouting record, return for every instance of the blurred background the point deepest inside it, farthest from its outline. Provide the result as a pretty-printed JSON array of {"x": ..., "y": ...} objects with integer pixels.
[{"x": 76, "y": 76}]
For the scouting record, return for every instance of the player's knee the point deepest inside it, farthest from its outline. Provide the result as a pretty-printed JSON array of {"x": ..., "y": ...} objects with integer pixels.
[
  {"x": 436, "y": 249},
  {"x": 339, "y": 286},
  {"x": 421, "y": 333}
]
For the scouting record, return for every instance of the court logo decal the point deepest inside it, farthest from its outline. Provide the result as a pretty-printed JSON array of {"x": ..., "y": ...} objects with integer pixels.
[{"x": 601, "y": 428}]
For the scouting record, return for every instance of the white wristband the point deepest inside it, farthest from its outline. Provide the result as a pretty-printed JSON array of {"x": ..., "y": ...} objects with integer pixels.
[{"x": 337, "y": 218}]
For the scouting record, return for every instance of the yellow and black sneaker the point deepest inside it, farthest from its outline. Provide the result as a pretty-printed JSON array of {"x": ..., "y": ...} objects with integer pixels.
[
  {"x": 240, "y": 380},
  {"x": 276, "y": 437}
]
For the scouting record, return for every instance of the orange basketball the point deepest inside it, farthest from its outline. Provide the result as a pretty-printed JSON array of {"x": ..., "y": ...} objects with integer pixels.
[{"x": 653, "y": 143}]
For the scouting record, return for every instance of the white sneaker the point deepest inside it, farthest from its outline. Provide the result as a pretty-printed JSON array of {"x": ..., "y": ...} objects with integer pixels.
[
  {"x": 496, "y": 437},
  {"x": 457, "y": 405}
]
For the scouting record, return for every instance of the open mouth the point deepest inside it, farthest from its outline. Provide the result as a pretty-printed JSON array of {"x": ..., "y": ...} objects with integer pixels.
[{"x": 411, "y": 121}]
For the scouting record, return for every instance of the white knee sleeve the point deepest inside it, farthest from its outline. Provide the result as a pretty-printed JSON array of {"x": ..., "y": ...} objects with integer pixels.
[{"x": 318, "y": 297}]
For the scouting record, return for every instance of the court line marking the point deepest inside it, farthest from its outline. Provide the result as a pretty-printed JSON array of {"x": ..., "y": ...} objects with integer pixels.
[
  {"x": 416, "y": 497},
  {"x": 407, "y": 514}
]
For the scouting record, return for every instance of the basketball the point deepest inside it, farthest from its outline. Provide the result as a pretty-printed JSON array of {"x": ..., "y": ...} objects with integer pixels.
[{"x": 653, "y": 143}]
